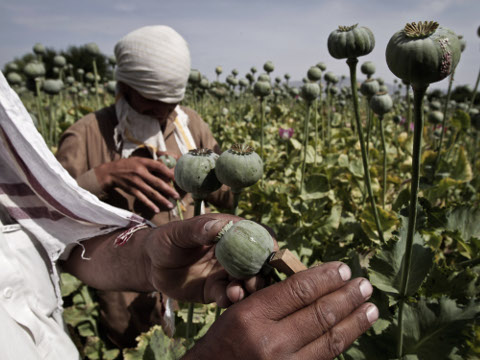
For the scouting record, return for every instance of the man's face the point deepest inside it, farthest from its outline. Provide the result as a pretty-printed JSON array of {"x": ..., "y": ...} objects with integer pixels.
[{"x": 156, "y": 109}]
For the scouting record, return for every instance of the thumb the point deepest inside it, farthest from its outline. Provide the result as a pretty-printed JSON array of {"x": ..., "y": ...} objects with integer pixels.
[{"x": 201, "y": 230}]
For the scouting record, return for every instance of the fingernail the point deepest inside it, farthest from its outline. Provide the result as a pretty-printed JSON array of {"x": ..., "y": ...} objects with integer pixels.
[
  {"x": 345, "y": 272},
  {"x": 210, "y": 224},
  {"x": 372, "y": 314},
  {"x": 366, "y": 289},
  {"x": 170, "y": 206}
]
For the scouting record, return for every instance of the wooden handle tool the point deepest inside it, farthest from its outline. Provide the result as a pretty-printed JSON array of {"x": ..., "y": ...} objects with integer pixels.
[{"x": 286, "y": 262}]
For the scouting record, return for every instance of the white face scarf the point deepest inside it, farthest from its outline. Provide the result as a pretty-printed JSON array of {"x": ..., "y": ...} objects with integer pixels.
[{"x": 136, "y": 131}]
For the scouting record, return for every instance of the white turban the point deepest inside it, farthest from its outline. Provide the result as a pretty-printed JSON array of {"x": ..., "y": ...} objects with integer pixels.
[{"x": 155, "y": 61}]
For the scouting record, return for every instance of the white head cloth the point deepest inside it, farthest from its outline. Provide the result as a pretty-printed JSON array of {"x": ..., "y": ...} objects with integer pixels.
[{"x": 155, "y": 61}]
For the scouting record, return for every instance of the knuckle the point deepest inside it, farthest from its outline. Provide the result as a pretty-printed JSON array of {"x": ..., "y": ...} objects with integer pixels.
[
  {"x": 336, "y": 342},
  {"x": 302, "y": 291},
  {"x": 324, "y": 315}
]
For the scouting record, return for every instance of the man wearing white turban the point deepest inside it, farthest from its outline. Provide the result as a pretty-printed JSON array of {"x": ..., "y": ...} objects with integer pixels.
[{"x": 114, "y": 154}]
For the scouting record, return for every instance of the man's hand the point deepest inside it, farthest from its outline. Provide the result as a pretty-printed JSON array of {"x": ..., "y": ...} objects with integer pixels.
[
  {"x": 314, "y": 314},
  {"x": 146, "y": 179},
  {"x": 183, "y": 264}
]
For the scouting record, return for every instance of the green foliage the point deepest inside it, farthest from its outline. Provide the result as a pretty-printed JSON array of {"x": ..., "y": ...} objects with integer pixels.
[{"x": 330, "y": 219}]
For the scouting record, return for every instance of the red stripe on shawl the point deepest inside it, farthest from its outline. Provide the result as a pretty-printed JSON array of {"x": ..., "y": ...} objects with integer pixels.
[
  {"x": 37, "y": 187},
  {"x": 40, "y": 190},
  {"x": 18, "y": 189}
]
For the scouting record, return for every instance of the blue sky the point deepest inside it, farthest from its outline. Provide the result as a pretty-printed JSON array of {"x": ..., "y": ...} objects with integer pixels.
[{"x": 238, "y": 34}]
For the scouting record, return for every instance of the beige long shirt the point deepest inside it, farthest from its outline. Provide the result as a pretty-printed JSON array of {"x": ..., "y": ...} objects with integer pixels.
[{"x": 89, "y": 143}]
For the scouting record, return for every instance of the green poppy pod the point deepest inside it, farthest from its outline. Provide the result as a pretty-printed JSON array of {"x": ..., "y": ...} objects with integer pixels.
[
  {"x": 243, "y": 83},
  {"x": 232, "y": 81},
  {"x": 59, "y": 61},
  {"x": 234, "y": 72},
  {"x": 478, "y": 31},
  {"x": 330, "y": 77},
  {"x": 264, "y": 77},
  {"x": 423, "y": 53},
  {"x": 11, "y": 66},
  {"x": 34, "y": 69},
  {"x": 321, "y": 66},
  {"x": 92, "y": 49},
  {"x": 262, "y": 88},
  {"x": 380, "y": 81},
  {"x": 268, "y": 67},
  {"x": 314, "y": 73},
  {"x": 278, "y": 80},
  {"x": 80, "y": 72},
  {"x": 368, "y": 68},
  {"x": 112, "y": 60},
  {"x": 463, "y": 43},
  {"x": 70, "y": 80},
  {"x": 435, "y": 105},
  {"x": 381, "y": 103},
  {"x": 350, "y": 42},
  {"x": 204, "y": 83},
  {"x": 111, "y": 87},
  {"x": 253, "y": 69},
  {"x": 369, "y": 87},
  {"x": 243, "y": 248},
  {"x": 310, "y": 91},
  {"x": 194, "y": 77},
  {"x": 435, "y": 117},
  {"x": 14, "y": 78},
  {"x": 195, "y": 173},
  {"x": 383, "y": 88},
  {"x": 52, "y": 86},
  {"x": 397, "y": 119},
  {"x": 89, "y": 77},
  {"x": 39, "y": 49},
  {"x": 294, "y": 91},
  {"x": 472, "y": 112},
  {"x": 219, "y": 92},
  {"x": 287, "y": 76},
  {"x": 218, "y": 70},
  {"x": 239, "y": 167},
  {"x": 168, "y": 160}
]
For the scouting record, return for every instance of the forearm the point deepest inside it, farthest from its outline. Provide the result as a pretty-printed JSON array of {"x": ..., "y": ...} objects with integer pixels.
[{"x": 108, "y": 267}]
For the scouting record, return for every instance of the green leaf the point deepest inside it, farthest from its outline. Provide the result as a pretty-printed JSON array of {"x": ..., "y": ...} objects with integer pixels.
[
  {"x": 155, "y": 345},
  {"x": 327, "y": 226},
  {"x": 461, "y": 120},
  {"x": 462, "y": 171},
  {"x": 465, "y": 220},
  {"x": 386, "y": 265},
  {"x": 456, "y": 284},
  {"x": 296, "y": 144},
  {"x": 316, "y": 187},
  {"x": 69, "y": 284},
  {"x": 387, "y": 222},
  {"x": 433, "y": 329},
  {"x": 343, "y": 160}
]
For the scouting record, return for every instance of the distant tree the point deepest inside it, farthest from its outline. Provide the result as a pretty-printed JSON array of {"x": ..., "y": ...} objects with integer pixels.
[
  {"x": 435, "y": 94},
  {"x": 80, "y": 58},
  {"x": 462, "y": 93},
  {"x": 75, "y": 55}
]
